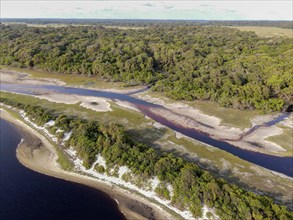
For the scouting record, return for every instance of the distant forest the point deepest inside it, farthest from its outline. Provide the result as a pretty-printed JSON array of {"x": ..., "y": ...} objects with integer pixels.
[
  {"x": 183, "y": 61},
  {"x": 145, "y": 22}
]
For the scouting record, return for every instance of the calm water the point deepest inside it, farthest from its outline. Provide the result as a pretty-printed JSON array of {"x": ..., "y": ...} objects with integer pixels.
[
  {"x": 280, "y": 164},
  {"x": 28, "y": 195}
]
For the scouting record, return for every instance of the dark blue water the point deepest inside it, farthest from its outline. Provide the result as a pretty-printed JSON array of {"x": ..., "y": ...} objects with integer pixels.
[
  {"x": 279, "y": 164},
  {"x": 28, "y": 195}
]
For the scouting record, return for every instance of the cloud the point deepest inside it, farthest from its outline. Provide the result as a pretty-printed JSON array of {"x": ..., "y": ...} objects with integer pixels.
[
  {"x": 204, "y": 5},
  {"x": 148, "y": 5},
  {"x": 231, "y": 11},
  {"x": 107, "y": 9},
  {"x": 169, "y": 6}
]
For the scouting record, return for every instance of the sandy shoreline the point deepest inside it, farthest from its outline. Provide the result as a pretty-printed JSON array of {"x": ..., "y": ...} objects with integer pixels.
[{"x": 42, "y": 159}]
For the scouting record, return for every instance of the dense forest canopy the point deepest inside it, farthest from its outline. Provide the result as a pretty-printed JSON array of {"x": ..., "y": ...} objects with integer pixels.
[
  {"x": 192, "y": 185},
  {"x": 184, "y": 61}
]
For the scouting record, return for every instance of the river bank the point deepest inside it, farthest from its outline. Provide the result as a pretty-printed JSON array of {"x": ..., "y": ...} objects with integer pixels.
[
  {"x": 189, "y": 116},
  {"x": 176, "y": 112},
  {"x": 263, "y": 180},
  {"x": 38, "y": 154},
  {"x": 20, "y": 76}
]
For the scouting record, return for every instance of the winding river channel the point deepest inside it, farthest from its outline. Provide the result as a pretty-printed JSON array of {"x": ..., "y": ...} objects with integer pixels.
[{"x": 282, "y": 165}]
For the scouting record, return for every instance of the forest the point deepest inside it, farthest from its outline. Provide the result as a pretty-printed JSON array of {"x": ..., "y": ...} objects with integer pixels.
[
  {"x": 183, "y": 61},
  {"x": 148, "y": 22},
  {"x": 193, "y": 186}
]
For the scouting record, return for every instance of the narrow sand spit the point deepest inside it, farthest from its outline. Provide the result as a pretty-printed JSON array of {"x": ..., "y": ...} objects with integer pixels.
[{"x": 43, "y": 160}]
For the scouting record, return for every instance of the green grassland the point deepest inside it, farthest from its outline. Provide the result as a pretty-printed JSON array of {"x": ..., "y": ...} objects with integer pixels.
[
  {"x": 267, "y": 31},
  {"x": 141, "y": 129}
]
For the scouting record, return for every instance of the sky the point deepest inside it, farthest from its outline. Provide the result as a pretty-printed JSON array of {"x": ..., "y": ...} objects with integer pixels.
[{"x": 177, "y": 10}]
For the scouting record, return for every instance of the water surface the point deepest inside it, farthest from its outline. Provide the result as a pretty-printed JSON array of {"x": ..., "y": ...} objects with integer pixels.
[
  {"x": 282, "y": 165},
  {"x": 28, "y": 195}
]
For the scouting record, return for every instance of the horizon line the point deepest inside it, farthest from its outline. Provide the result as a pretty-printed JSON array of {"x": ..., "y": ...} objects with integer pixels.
[{"x": 149, "y": 19}]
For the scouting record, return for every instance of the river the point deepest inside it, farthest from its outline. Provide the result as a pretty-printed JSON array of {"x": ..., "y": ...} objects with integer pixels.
[
  {"x": 28, "y": 195},
  {"x": 275, "y": 163}
]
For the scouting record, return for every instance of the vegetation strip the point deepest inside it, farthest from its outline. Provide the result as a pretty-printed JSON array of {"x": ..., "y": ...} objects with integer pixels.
[
  {"x": 192, "y": 186},
  {"x": 187, "y": 62}
]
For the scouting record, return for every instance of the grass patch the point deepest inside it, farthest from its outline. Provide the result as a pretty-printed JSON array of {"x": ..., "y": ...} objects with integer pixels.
[
  {"x": 205, "y": 152},
  {"x": 267, "y": 31},
  {"x": 127, "y": 116},
  {"x": 63, "y": 160}
]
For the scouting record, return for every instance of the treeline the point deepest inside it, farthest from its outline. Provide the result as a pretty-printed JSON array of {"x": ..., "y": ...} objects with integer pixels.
[
  {"x": 149, "y": 22},
  {"x": 192, "y": 185},
  {"x": 189, "y": 62},
  {"x": 260, "y": 23}
]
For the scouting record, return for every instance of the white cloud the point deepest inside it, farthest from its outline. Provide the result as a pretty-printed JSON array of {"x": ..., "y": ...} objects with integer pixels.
[{"x": 253, "y": 10}]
